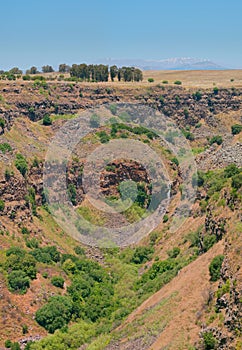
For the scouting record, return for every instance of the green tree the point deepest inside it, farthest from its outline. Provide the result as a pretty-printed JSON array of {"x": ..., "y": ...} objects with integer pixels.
[
  {"x": 55, "y": 314},
  {"x": 47, "y": 69},
  {"x": 64, "y": 68},
  {"x": 32, "y": 70},
  {"x": 15, "y": 70},
  {"x": 113, "y": 72}
]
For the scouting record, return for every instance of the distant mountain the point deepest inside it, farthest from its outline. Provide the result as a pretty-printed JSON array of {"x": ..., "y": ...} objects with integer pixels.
[{"x": 181, "y": 63}]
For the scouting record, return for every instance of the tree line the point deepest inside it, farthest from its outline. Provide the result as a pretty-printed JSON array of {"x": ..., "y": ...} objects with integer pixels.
[{"x": 85, "y": 72}]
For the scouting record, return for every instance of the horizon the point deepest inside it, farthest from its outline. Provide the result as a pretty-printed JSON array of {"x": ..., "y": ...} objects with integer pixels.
[{"x": 78, "y": 31}]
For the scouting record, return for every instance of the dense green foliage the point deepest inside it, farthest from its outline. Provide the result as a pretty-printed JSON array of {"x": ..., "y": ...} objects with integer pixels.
[
  {"x": 21, "y": 164},
  {"x": 215, "y": 267},
  {"x": 5, "y": 147},
  {"x": 216, "y": 139},
  {"x": 209, "y": 341},
  {"x": 55, "y": 314},
  {"x": 46, "y": 255},
  {"x": 100, "y": 72},
  {"x": 236, "y": 129},
  {"x": 47, "y": 120},
  {"x": 58, "y": 281}
]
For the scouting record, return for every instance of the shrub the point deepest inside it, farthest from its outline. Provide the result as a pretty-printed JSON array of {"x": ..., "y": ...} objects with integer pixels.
[
  {"x": 79, "y": 250},
  {"x": 216, "y": 139},
  {"x": 237, "y": 181},
  {"x": 164, "y": 81},
  {"x": 165, "y": 218},
  {"x": 209, "y": 341},
  {"x": 178, "y": 82},
  {"x": 2, "y": 123},
  {"x": 8, "y": 344},
  {"x": 208, "y": 242},
  {"x": 231, "y": 170},
  {"x": 197, "y": 96},
  {"x": 103, "y": 136},
  {"x": 58, "y": 281},
  {"x": 8, "y": 174},
  {"x": 55, "y": 314},
  {"x": 46, "y": 254},
  {"x": 2, "y": 205},
  {"x": 175, "y": 161},
  {"x": 21, "y": 164},
  {"x": 47, "y": 120},
  {"x": 236, "y": 129},
  {"x": 72, "y": 193},
  {"x": 215, "y": 267},
  {"x": 25, "y": 231},
  {"x": 15, "y": 346},
  {"x": 142, "y": 254},
  {"x": 24, "y": 329},
  {"x": 151, "y": 80},
  {"x": 174, "y": 252},
  {"x": 18, "y": 281},
  {"x": 215, "y": 90},
  {"x": 5, "y": 147}
]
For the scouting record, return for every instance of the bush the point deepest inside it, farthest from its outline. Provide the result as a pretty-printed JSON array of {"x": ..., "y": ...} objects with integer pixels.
[
  {"x": 178, "y": 82},
  {"x": 47, "y": 120},
  {"x": 237, "y": 181},
  {"x": 174, "y": 252},
  {"x": 151, "y": 80},
  {"x": 236, "y": 129},
  {"x": 231, "y": 170},
  {"x": 55, "y": 314},
  {"x": 58, "y": 281},
  {"x": 46, "y": 255},
  {"x": 175, "y": 161},
  {"x": 165, "y": 218},
  {"x": 5, "y": 147},
  {"x": 18, "y": 281},
  {"x": 215, "y": 267},
  {"x": 164, "y": 81},
  {"x": 209, "y": 341},
  {"x": 79, "y": 250},
  {"x": 215, "y": 90},
  {"x": 15, "y": 346},
  {"x": 208, "y": 242},
  {"x": 24, "y": 329},
  {"x": 103, "y": 136},
  {"x": 142, "y": 254},
  {"x": 21, "y": 164},
  {"x": 2, "y": 123},
  {"x": 216, "y": 139},
  {"x": 197, "y": 96},
  {"x": 8, "y": 344},
  {"x": 2, "y": 205}
]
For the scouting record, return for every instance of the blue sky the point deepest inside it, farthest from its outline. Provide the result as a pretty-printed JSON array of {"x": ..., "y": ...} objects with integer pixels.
[{"x": 42, "y": 32}]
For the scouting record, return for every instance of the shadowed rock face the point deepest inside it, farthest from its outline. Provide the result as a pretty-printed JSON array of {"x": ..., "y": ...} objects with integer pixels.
[{"x": 121, "y": 170}]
